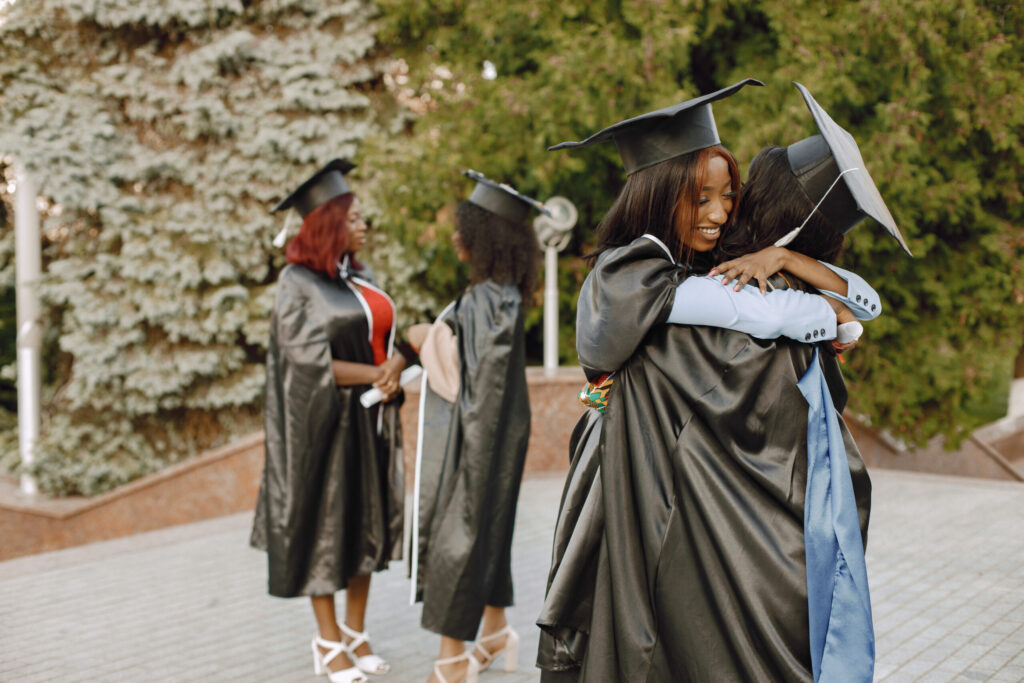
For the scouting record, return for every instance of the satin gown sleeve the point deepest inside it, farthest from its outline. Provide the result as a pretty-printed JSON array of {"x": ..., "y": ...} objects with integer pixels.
[{"x": 629, "y": 291}]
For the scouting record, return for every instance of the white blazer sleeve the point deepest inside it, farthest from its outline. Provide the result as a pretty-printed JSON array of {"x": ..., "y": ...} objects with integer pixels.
[
  {"x": 862, "y": 300},
  {"x": 779, "y": 313}
]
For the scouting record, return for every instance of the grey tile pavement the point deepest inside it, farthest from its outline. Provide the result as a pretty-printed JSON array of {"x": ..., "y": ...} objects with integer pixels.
[{"x": 945, "y": 560}]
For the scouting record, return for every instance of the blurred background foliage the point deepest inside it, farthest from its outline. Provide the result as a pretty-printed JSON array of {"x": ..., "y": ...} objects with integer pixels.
[
  {"x": 930, "y": 89},
  {"x": 160, "y": 147}
]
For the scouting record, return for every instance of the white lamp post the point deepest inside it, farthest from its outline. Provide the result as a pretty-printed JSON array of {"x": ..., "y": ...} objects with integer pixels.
[
  {"x": 553, "y": 233},
  {"x": 28, "y": 266}
]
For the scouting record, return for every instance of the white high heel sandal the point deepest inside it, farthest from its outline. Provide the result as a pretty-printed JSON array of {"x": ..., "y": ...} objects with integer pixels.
[
  {"x": 370, "y": 664},
  {"x": 510, "y": 648},
  {"x": 322, "y": 659},
  {"x": 472, "y": 667}
]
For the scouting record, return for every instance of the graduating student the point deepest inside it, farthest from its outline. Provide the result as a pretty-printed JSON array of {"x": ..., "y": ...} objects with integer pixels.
[
  {"x": 688, "y": 497},
  {"x": 474, "y": 428},
  {"x": 330, "y": 507}
]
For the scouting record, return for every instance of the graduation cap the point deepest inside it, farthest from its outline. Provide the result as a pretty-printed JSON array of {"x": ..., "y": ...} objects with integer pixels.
[
  {"x": 664, "y": 134},
  {"x": 324, "y": 185},
  {"x": 818, "y": 163},
  {"x": 502, "y": 199}
]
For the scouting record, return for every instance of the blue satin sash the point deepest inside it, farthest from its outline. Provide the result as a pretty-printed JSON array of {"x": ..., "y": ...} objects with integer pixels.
[{"x": 838, "y": 601}]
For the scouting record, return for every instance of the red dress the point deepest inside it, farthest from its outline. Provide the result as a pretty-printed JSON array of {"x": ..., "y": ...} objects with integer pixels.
[{"x": 381, "y": 315}]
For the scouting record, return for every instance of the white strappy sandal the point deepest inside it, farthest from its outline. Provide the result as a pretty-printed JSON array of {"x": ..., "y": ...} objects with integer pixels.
[
  {"x": 472, "y": 667},
  {"x": 510, "y": 648},
  {"x": 322, "y": 659},
  {"x": 370, "y": 664}
]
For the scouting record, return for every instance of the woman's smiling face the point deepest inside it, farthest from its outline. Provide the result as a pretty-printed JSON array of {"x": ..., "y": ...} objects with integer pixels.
[{"x": 713, "y": 207}]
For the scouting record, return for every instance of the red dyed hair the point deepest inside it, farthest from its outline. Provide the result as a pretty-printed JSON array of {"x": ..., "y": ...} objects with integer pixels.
[{"x": 323, "y": 238}]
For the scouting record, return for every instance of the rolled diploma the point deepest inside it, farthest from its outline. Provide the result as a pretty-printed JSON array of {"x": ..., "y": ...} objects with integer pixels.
[{"x": 373, "y": 396}]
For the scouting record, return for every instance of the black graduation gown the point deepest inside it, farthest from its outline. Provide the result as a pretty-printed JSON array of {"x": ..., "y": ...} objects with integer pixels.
[
  {"x": 330, "y": 505},
  {"x": 694, "y": 481},
  {"x": 470, "y": 464}
]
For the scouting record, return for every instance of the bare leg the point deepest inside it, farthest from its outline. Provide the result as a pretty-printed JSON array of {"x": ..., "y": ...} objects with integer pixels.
[
  {"x": 327, "y": 627},
  {"x": 356, "y": 596},
  {"x": 450, "y": 647},
  {"x": 493, "y": 621}
]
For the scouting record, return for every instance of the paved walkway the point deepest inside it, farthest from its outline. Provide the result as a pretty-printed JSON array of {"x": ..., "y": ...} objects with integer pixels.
[{"x": 946, "y": 561}]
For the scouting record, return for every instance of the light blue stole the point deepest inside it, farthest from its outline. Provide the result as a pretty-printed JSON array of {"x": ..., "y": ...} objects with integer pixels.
[{"x": 838, "y": 601}]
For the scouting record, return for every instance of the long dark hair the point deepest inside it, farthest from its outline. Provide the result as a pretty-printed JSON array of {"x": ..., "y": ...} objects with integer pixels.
[
  {"x": 773, "y": 204},
  {"x": 499, "y": 249},
  {"x": 654, "y": 199}
]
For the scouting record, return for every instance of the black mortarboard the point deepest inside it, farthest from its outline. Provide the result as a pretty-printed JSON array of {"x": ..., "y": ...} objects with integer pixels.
[
  {"x": 324, "y": 185},
  {"x": 817, "y": 162},
  {"x": 502, "y": 199},
  {"x": 664, "y": 134}
]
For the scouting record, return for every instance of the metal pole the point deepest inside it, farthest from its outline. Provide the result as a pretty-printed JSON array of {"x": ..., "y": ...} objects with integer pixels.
[
  {"x": 28, "y": 266},
  {"x": 554, "y": 230},
  {"x": 550, "y": 311}
]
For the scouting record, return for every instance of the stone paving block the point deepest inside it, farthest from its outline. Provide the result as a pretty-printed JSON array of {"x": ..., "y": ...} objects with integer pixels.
[
  {"x": 936, "y": 676},
  {"x": 912, "y": 669},
  {"x": 955, "y": 640},
  {"x": 899, "y": 634},
  {"x": 1009, "y": 647},
  {"x": 935, "y": 653},
  {"x": 883, "y": 668},
  {"x": 974, "y": 675},
  {"x": 991, "y": 662},
  {"x": 1010, "y": 673},
  {"x": 988, "y": 638},
  {"x": 971, "y": 651},
  {"x": 956, "y": 663}
]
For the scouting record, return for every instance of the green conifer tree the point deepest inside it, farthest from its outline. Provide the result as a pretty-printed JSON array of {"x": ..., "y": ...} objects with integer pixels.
[{"x": 159, "y": 134}]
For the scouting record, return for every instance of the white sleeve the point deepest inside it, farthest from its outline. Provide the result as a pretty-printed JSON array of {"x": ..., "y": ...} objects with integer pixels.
[
  {"x": 862, "y": 300},
  {"x": 779, "y": 313}
]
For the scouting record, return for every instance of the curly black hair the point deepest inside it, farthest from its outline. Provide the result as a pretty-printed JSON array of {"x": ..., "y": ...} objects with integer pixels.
[
  {"x": 499, "y": 249},
  {"x": 773, "y": 204}
]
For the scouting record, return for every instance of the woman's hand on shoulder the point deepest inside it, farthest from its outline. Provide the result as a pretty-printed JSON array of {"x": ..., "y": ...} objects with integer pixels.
[{"x": 759, "y": 266}]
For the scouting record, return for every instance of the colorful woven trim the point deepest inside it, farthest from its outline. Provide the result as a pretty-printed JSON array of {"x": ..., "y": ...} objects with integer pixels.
[{"x": 595, "y": 394}]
